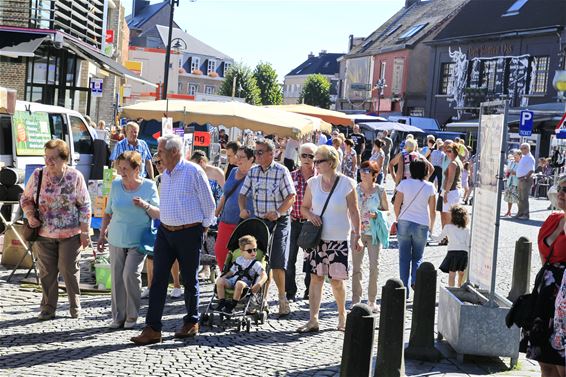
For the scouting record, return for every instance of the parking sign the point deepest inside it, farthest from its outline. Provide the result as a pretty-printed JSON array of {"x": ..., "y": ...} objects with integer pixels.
[{"x": 526, "y": 123}]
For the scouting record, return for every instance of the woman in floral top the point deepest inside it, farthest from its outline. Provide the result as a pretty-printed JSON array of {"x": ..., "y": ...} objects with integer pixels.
[
  {"x": 371, "y": 199},
  {"x": 350, "y": 160},
  {"x": 64, "y": 221}
]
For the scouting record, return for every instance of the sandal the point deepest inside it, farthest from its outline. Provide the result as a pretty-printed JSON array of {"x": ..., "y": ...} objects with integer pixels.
[
  {"x": 309, "y": 327},
  {"x": 341, "y": 324}
]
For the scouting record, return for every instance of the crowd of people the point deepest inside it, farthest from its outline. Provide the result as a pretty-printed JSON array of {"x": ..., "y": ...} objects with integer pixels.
[{"x": 188, "y": 197}]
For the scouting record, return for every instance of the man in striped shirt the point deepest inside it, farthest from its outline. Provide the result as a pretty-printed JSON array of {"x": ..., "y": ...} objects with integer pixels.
[
  {"x": 186, "y": 211},
  {"x": 273, "y": 195}
]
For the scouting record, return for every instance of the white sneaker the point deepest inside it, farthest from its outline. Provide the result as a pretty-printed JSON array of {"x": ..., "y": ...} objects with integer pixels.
[
  {"x": 145, "y": 293},
  {"x": 176, "y": 293},
  {"x": 130, "y": 323},
  {"x": 115, "y": 325}
]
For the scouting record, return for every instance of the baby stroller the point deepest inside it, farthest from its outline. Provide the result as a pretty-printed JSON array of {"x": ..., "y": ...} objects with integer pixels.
[
  {"x": 251, "y": 306},
  {"x": 207, "y": 257}
]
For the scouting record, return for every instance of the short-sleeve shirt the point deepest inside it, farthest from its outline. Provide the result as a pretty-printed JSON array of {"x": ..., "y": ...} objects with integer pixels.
[
  {"x": 231, "y": 210},
  {"x": 269, "y": 188},
  {"x": 358, "y": 140},
  {"x": 559, "y": 253},
  {"x": 128, "y": 220},
  {"x": 416, "y": 210},
  {"x": 141, "y": 147},
  {"x": 244, "y": 263}
]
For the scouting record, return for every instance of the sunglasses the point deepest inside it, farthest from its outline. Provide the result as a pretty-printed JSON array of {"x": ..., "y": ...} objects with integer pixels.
[
  {"x": 307, "y": 155},
  {"x": 259, "y": 152},
  {"x": 158, "y": 162},
  {"x": 316, "y": 162},
  {"x": 449, "y": 151},
  {"x": 251, "y": 251},
  {"x": 561, "y": 189},
  {"x": 366, "y": 171}
]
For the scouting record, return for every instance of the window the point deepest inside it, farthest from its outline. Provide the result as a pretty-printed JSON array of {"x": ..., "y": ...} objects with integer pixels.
[
  {"x": 192, "y": 89},
  {"x": 412, "y": 31},
  {"x": 539, "y": 74},
  {"x": 393, "y": 30},
  {"x": 488, "y": 75},
  {"x": 81, "y": 137},
  {"x": 382, "y": 70},
  {"x": 195, "y": 63},
  {"x": 211, "y": 65},
  {"x": 209, "y": 90},
  {"x": 6, "y": 133},
  {"x": 515, "y": 8},
  {"x": 226, "y": 68},
  {"x": 446, "y": 73},
  {"x": 397, "y": 82}
]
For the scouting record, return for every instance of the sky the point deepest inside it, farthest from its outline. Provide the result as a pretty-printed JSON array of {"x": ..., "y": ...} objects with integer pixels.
[{"x": 282, "y": 33}]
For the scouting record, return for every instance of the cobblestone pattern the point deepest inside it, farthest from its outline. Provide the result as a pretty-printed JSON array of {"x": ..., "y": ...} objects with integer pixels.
[{"x": 85, "y": 347}]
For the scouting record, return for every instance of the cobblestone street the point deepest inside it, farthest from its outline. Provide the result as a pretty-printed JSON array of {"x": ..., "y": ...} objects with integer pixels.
[{"x": 85, "y": 346}]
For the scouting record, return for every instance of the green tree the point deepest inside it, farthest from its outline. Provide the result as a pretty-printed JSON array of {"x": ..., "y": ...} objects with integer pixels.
[
  {"x": 316, "y": 91},
  {"x": 270, "y": 90},
  {"x": 245, "y": 85}
]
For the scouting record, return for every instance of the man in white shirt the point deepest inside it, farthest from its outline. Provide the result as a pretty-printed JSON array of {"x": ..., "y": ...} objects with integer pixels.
[
  {"x": 525, "y": 170},
  {"x": 291, "y": 153}
]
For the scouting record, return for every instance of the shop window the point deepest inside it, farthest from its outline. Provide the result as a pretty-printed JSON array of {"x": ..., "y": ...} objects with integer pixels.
[
  {"x": 193, "y": 89},
  {"x": 5, "y": 135}
]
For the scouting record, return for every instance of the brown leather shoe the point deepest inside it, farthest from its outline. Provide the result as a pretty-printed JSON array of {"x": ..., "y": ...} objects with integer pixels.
[
  {"x": 188, "y": 330},
  {"x": 147, "y": 336}
]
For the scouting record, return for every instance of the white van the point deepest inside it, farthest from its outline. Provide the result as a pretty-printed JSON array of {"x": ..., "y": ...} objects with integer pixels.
[{"x": 24, "y": 133}]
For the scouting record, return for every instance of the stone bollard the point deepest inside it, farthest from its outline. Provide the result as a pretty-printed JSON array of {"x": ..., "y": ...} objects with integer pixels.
[
  {"x": 521, "y": 269},
  {"x": 390, "y": 344},
  {"x": 421, "y": 341},
  {"x": 357, "y": 351}
]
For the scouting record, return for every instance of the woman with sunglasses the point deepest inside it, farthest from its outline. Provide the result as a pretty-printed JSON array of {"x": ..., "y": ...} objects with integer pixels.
[
  {"x": 378, "y": 156},
  {"x": 340, "y": 224},
  {"x": 547, "y": 347},
  {"x": 227, "y": 210},
  {"x": 372, "y": 199}
]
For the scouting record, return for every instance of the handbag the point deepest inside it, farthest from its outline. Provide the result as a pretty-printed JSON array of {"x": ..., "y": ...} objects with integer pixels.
[
  {"x": 28, "y": 233},
  {"x": 393, "y": 230},
  {"x": 147, "y": 241},
  {"x": 309, "y": 237},
  {"x": 522, "y": 312}
]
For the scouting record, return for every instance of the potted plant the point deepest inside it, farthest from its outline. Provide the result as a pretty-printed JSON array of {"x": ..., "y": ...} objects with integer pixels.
[{"x": 196, "y": 72}]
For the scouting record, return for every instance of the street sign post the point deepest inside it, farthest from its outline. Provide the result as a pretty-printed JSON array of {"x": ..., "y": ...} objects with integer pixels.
[{"x": 526, "y": 123}]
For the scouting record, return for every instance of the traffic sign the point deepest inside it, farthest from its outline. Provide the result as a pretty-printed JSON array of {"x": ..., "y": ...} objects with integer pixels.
[
  {"x": 561, "y": 128},
  {"x": 526, "y": 123},
  {"x": 96, "y": 87}
]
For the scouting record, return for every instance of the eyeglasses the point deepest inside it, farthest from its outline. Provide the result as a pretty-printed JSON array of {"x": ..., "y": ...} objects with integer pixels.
[
  {"x": 259, "y": 152},
  {"x": 307, "y": 155},
  {"x": 316, "y": 162},
  {"x": 448, "y": 151},
  {"x": 561, "y": 189},
  {"x": 51, "y": 158},
  {"x": 251, "y": 251}
]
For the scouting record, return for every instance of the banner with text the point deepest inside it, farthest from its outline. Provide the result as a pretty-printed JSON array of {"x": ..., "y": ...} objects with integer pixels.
[{"x": 31, "y": 131}]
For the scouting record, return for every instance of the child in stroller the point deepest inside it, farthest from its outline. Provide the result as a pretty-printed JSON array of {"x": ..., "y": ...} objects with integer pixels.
[{"x": 245, "y": 272}]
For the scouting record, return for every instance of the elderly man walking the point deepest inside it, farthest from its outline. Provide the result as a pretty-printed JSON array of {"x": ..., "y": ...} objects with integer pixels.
[
  {"x": 300, "y": 178},
  {"x": 132, "y": 143},
  {"x": 273, "y": 195},
  {"x": 187, "y": 210},
  {"x": 524, "y": 172}
]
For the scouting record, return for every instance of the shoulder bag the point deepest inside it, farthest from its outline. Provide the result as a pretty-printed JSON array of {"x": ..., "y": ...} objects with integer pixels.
[
  {"x": 393, "y": 230},
  {"x": 309, "y": 237},
  {"x": 28, "y": 233}
]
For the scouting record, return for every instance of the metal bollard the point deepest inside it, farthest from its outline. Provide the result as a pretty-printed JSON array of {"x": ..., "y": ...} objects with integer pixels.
[
  {"x": 421, "y": 341},
  {"x": 357, "y": 351},
  {"x": 521, "y": 268},
  {"x": 390, "y": 344}
]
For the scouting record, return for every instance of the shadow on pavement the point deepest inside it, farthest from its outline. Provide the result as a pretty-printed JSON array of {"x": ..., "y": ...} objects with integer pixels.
[{"x": 46, "y": 337}]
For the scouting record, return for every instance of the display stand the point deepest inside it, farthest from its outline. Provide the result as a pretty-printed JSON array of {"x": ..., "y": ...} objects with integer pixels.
[{"x": 26, "y": 245}]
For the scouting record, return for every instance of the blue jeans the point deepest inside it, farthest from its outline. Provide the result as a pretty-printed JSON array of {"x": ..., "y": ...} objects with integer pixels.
[
  {"x": 412, "y": 241},
  {"x": 185, "y": 246}
]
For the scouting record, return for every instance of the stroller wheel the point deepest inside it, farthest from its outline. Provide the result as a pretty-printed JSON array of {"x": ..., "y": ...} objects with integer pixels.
[
  {"x": 263, "y": 317},
  {"x": 204, "y": 317},
  {"x": 211, "y": 320},
  {"x": 248, "y": 324},
  {"x": 239, "y": 327}
]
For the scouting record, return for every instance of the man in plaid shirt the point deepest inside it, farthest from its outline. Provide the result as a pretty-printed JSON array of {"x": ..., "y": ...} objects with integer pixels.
[
  {"x": 300, "y": 178},
  {"x": 273, "y": 195}
]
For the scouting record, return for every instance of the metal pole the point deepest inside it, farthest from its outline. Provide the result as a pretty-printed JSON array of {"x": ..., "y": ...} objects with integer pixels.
[{"x": 168, "y": 51}]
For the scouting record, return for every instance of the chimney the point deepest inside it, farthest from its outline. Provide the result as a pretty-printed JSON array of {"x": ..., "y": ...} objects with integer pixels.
[
  {"x": 311, "y": 55},
  {"x": 409, "y": 3},
  {"x": 350, "y": 42},
  {"x": 322, "y": 52},
  {"x": 138, "y": 6}
]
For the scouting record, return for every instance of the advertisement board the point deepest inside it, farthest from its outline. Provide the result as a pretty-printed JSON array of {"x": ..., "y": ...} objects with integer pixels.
[{"x": 31, "y": 131}]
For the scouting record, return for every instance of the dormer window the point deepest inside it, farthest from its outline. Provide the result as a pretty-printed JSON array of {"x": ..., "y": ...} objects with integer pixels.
[
  {"x": 515, "y": 8},
  {"x": 411, "y": 32},
  {"x": 393, "y": 30}
]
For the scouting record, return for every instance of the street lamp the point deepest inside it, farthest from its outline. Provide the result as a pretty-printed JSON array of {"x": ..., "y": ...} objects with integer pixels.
[
  {"x": 379, "y": 85},
  {"x": 168, "y": 51}
]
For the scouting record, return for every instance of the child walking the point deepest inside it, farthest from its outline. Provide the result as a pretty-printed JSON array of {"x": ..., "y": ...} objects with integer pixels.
[{"x": 458, "y": 235}]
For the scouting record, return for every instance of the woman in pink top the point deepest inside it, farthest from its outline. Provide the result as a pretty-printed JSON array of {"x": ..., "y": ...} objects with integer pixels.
[{"x": 64, "y": 221}]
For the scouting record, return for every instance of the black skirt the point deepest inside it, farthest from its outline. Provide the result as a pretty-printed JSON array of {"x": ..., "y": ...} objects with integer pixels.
[{"x": 455, "y": 260}]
